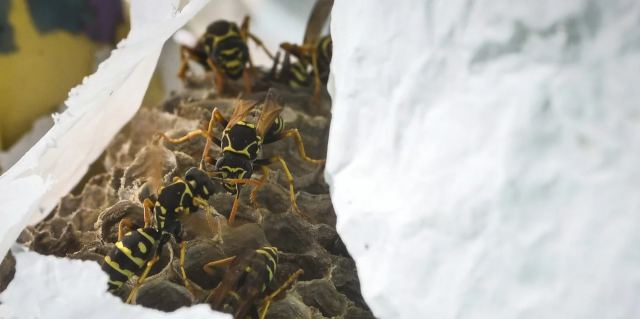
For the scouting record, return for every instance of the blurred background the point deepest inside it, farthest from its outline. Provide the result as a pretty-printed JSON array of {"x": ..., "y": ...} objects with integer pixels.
[{"x": 48, "y": 47}]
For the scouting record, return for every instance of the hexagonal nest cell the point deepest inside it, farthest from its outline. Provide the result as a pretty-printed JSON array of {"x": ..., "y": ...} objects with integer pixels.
[{"x": 85, "y": 223}]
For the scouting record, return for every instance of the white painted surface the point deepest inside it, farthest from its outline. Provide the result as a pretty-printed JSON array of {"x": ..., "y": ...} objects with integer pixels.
[
  {"x": 51, "y": 287},
  {"x": 484, "y": 156}
]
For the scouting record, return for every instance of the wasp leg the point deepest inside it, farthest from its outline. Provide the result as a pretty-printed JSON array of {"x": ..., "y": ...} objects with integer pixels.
[
  {"x": 244, "y": 28},
  {"x": 125, "y": 222},
  {"x": 216, "y": 117},
  {"x": 148, "y": 207},
  {"x": 185, "y": 55},
  {"x": 261, "y": 181},
  {"x": 261, "y": 45},
  {"x": 266, "y": 302},
  {"x": 246, "y": 35},
  {"x": 191, "y": 135},
  {"x": 292, "y": 193},
  {"x": 294, "y": 133},
  {"x": 183, "y": 252},
  {"x": 208, "y": 267},
  {"x": 273, "y": 73},
  {"x": 234, "y": 208},
  {"x": 219, "y": 77},
  {"x": 218, "y": 237},
  {"x": 142, "y": 278},
  {"x": 202, "y": 203},
  {"x": 298, "y": 51}
]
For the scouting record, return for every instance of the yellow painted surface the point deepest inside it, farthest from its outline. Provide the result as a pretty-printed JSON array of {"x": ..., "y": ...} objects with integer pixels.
[{"x": 35, "y": 80}]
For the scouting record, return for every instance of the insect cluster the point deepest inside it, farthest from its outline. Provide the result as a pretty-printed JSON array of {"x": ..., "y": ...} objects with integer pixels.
[
  {"x": 218, "y": 198},
  {"x": 224, "y": 50}
]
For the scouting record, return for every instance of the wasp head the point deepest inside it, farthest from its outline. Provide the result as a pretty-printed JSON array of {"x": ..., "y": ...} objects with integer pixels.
[{"x": 233, "y": 166}]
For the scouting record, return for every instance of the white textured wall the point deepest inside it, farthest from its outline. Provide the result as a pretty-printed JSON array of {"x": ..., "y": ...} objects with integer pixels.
[{"x": 484, "y": 157}]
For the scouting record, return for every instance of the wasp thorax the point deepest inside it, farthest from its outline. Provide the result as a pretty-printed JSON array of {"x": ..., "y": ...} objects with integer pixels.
[
  {"x": 242, "y": 139},
  {"x": 233, "y": 166}
]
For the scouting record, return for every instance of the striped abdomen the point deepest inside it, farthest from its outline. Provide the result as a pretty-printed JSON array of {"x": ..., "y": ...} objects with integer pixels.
[
  {"x": 273, "y": 134},
  {"x": 324, "y": 52},
  {"x": 231, "y": 55},
  {"x": 294, "y": 74},
  {"x": 130, "y": 256},
  {"x": 226, "y": 48}
]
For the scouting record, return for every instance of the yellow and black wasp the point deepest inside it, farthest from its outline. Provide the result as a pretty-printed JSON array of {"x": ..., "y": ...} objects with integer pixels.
[
  {"x": 314, "y": 53},
  {"x": 223, "y": 49},
  {"x": 137, "y": 251},
  {"x": 251, "y": 125},
  {"x": 245, "y": 286},
  {"x": 133, "y": 250},
  {"x": 293, "y": 74}
]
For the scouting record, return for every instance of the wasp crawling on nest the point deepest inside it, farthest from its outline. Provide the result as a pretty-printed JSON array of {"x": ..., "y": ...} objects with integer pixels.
[
  {"x": 313, "y": 55},
  {"x": 223, "y": 49},
  {"x": 244, "y": 289},
  {"x": 138, "y": 250},
  {"x": 251, "y": 125}
]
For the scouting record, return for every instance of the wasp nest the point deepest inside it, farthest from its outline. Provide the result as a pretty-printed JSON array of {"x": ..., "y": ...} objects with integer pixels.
[{"x": 85, "y": 225}]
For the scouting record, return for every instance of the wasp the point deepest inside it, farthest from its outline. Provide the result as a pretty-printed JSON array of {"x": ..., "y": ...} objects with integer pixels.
[
  {"x": 223, "y": 49},
  {"x": 293, "y": 74},
  {"x": 244, "y": 289},
  {"x": 133, "y": 250},
  {"x": 251, "y": 125},
  {"x": 141, "y": 247},
  {"x": 315, "y": 52}
]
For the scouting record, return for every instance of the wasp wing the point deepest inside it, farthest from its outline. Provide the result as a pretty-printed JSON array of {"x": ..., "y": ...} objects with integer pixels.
[
  {"x": 250, "y": 296},
  {"x": 150, "y": 165},
  {"x": 241, "y": 109},
  {"x": 237, "y": 281},
  {"x": 270, "y": 110},
  {"x": 228, "y": 284},
  {"x": 317, "y": 19}
]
